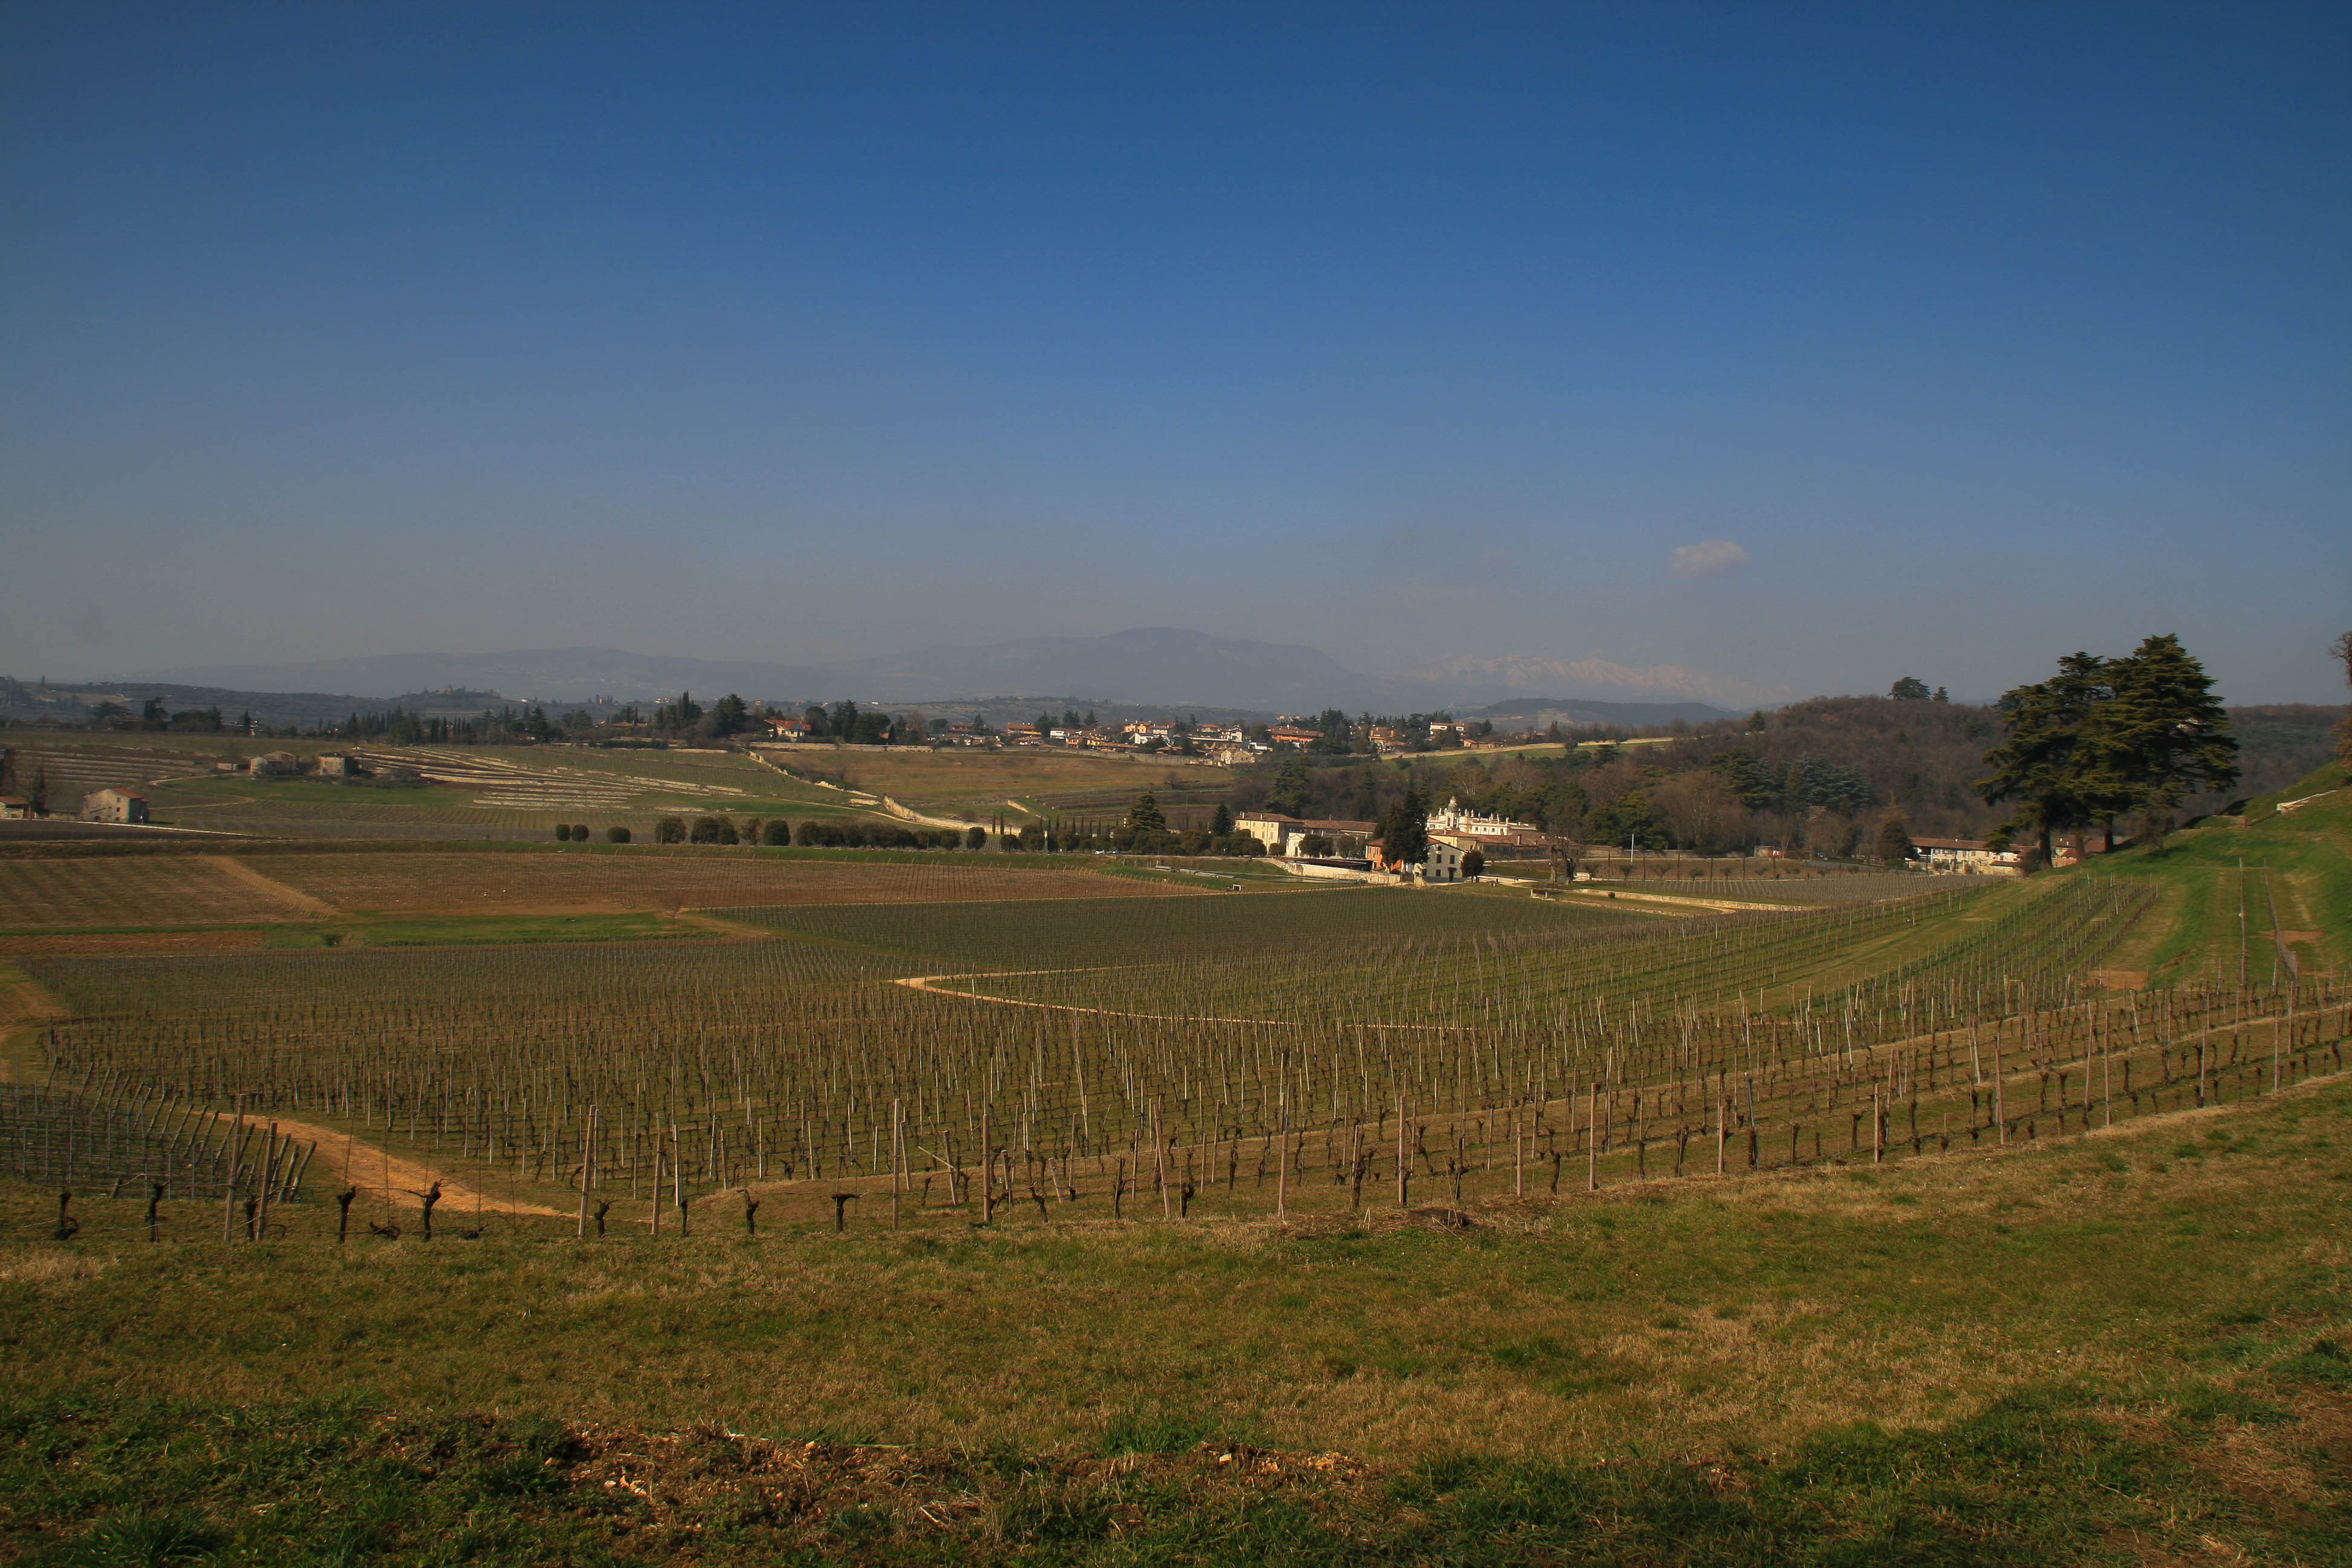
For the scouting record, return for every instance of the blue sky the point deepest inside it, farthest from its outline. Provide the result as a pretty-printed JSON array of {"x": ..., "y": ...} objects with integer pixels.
[{"x": 1417, "y": 333}]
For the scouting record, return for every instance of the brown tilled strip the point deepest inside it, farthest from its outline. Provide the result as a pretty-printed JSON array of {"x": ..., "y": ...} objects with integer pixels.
[{"x": 299, "y": 903}]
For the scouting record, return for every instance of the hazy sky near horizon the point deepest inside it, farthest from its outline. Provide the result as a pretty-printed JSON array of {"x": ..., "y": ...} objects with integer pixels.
[{"x": 1799, "y": 347}]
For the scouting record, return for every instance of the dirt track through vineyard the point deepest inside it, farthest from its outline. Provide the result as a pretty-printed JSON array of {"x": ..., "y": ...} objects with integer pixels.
[
  {"x": 386, "y": 1180},
  {"x": 299, "y": 903}
]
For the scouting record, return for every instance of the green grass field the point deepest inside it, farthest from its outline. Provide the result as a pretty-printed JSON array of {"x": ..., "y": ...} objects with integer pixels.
[{"x": 2124, "y": 1349}]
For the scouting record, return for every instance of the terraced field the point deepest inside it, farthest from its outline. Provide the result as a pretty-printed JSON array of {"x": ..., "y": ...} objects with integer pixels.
[
  {"x": 146, "y": 890},
  {"x": 183, "y": 889}
]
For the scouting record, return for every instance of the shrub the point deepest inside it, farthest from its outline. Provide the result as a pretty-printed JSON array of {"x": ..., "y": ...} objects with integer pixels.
[
  {"x": 563, "y": 832},
  {"x": 975, "y": 837},
  {"x": 616, "y": 836},
  {"x": 1474, "y": 862},
  {"x": 670, "y": 830},
  {"x": 706, "y": 831},
  {"x": 776, "y": 834},
  {"x": 579, "y": 833}
]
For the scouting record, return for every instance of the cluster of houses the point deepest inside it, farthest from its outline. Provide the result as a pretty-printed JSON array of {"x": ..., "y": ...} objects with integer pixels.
[
  {"x": 125, "y": 806},
  {"x": 1229, "y": 743},
  {"x": 1222, "y": 742},
  {"x": 1389, "y": 740}
]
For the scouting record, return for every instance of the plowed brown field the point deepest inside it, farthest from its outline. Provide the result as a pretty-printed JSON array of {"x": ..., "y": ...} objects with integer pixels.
[
  {"x": 519, "y": 884},
  {"x": 144, "y": 891},
  {"x": 186, "y": 891}
]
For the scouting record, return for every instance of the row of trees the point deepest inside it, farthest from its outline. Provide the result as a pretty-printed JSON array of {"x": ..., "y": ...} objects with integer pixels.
[
  {"x": 1701, "y": 795},
  {"x": 816, "y": 833},
  {"x": 154, "y": 715},
  {"x": 1144, "y": 831},
  {"x": 843, "y": 721}
]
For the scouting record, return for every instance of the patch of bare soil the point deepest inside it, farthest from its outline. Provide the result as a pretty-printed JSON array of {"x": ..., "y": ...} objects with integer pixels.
[
  {"x": 23, "y": 1004},
  {"x": 459, "y": 884},
  {"x": 298, "y": 903},
  {"x": 75, "y": 944},
  {"x": 383, "y": 1176}
]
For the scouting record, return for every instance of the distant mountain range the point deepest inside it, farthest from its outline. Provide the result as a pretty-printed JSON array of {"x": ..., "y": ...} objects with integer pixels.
[{"x": 1172, "y": 667}]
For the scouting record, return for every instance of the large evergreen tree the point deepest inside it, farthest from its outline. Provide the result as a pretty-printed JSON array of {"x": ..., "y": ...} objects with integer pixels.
[
  {"x": 2105, "y": 736},
  {"x": 1144, "y": 815},
  {"x": 2168, "y": 733},
  {"x": 2056, "y": 763},
  {"x": 1289, "y": 797},
  {"x": 1404, "y": 830}
]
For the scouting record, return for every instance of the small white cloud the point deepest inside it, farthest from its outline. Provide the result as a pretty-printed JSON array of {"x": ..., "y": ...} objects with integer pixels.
[{"x": 1712, "y": 559}]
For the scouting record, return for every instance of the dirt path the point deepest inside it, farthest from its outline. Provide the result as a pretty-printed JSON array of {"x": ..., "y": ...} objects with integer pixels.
[
  {"x": 924, "y": 983},
  {"x": 1717, "y": 906},
  {"x": 23, "y": 1007},
  {"x": 299, "y": 903},
  {"x": 731, "y": 929},
  {"x": 379, "y": 1175}
]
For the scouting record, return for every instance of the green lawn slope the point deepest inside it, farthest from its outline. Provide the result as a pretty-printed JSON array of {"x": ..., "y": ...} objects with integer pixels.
[{"x": 2299, "y": 859}]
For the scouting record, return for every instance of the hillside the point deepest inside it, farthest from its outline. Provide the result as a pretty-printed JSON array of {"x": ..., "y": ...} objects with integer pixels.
[
  {"x": 2249, "y": 896},
  {"x": 1820, "y": 775}
]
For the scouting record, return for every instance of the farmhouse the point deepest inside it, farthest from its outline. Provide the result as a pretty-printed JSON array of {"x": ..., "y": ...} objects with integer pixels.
[
  {"x": 15, "y": 808},
  {"x": 114, "y": 806},
  {"x": 338, "y": 765},
  {"x": 272, "y": 764},
  {"x": 1469, "y": 824},
  {"x": 1964, "y": 854},
  {"x": 1285, "y": 835},
  {"x": 1521, "y": 841}
]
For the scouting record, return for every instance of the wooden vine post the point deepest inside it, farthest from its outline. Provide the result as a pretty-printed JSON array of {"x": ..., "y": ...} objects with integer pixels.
[
  {"x": 1592, "y": 1139},
  {"x": 587, "y": 1159},
  {"x": 2000, "y": 1106},
  {"x": 1282, "y": 1165},
  {"x": 228, "y": 1199},
  {"x": 1404, "y": 1173}
]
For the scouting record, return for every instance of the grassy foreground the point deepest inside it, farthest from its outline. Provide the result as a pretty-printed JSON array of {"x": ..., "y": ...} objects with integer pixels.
[{"x": 2126, "y": 1348}]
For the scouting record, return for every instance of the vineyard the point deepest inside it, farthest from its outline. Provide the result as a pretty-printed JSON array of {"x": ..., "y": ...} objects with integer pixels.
[
  {"x": 1025, "y": 1156},
  {"x": 1223, "y": 1056},
  {"x": 195, "y": 889}
]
